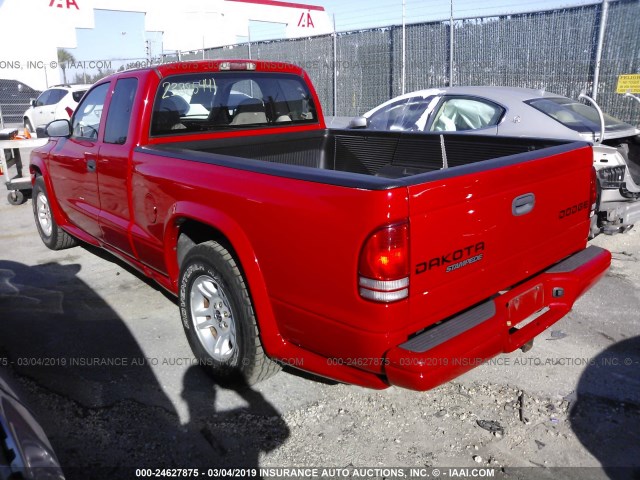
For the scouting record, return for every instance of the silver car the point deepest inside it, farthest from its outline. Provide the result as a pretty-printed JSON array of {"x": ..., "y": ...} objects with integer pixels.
[
  {"x": 25, "y": 451},
  {"x": 522, "y": 112}
]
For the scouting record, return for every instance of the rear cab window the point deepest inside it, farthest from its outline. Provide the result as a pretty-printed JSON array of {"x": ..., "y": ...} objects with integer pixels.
[{"x": 210, "y": 102}]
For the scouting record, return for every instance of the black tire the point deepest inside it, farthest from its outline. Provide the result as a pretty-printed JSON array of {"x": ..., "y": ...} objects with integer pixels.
[
  {"x": 229, "y": 345},
  {"x": 16, "y": 197},
  {"x": 28, "y": 126},
  {"x": 51, "y": 234}
]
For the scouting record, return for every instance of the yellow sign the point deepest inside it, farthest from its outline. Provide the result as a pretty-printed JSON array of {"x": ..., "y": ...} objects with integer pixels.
[{"x": 629, "y": 83}]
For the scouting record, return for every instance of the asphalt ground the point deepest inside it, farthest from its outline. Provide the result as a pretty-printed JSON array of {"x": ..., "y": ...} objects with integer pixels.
[{"x": 100, "y": 356}]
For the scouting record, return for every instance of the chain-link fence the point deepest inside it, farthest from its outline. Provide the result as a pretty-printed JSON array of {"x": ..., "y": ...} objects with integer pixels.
[
  {"x": 620, "y": 55},
  {"x": 15, "y": 98},
  {"x": 552, "y": 50}
]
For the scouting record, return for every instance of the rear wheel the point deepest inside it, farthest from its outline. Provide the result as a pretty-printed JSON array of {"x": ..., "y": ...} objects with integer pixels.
[
  {"x": 51, "y": 234},
  {"x": 218, "y": 316}
]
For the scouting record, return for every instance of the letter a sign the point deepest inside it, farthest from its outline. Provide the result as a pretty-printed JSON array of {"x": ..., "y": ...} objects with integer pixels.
[
  {"x": 305, "y": 20},
  {"x": 61, "y": 4}
]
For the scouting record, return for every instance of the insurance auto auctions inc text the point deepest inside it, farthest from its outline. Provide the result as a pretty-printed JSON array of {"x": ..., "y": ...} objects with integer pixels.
[{"x": 376, "y": 472}]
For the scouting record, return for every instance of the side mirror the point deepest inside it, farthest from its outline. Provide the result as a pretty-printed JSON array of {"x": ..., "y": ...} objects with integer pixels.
[
  {"x": 359, "y": 122},
  {"x": 33, "y": 102},
  {"x": 58, "y": 128}
]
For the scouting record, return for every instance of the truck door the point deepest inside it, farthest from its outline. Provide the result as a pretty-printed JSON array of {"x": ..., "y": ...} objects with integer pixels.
[
  {"x": 74, "y": 163},
  {"x": 113, "y": 165}
]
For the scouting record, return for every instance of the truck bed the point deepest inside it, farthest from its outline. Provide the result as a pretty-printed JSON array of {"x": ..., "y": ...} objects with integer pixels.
[{"x": 387, "y": 159}]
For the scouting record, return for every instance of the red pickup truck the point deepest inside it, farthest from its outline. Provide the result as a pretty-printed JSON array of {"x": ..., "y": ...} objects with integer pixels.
[{"x": 374, "y": 258}]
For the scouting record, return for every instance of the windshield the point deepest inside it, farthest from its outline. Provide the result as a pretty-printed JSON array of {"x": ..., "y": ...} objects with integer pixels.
[
  {"x": 208, "y": 101},
  {"x": 575, "y": 115}
]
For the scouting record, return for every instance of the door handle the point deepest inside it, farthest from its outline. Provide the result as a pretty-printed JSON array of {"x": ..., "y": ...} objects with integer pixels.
[
  {"x": 523, "y": 204},
  {"x": 91, "y": 166}
]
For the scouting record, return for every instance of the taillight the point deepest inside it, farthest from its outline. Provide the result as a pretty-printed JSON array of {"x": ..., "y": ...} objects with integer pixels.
[
  {"x": 383, "y": 268},
  {"x": 69, "y": 111},
  {"x": 593, "y": 193}
]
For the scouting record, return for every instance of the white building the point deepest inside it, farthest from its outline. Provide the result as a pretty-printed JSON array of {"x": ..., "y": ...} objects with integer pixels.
[{"x": 33, "y": 30}]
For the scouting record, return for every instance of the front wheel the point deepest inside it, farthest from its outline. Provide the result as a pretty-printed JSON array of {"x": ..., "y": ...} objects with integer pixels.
[
  {"x": 218, "y": 316},
  {"x": 51, "y": 234}
]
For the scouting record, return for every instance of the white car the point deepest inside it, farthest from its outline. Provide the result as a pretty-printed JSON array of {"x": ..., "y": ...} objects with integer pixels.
[
  {"x": 522, "y": 112},
  {"x": 55, "y": 103}
]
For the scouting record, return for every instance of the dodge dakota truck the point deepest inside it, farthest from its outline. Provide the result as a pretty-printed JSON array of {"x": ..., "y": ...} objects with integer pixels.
[{"x": 373, "y": 258}]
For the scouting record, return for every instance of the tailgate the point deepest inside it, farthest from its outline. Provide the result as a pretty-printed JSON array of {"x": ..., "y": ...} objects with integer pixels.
[{"x": 483, "y": 228}]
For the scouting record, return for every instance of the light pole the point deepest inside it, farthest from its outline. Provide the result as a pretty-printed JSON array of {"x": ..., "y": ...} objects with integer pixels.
[
  {"x": 404, "y": 47},
  {"x": 451, "y": 46}
]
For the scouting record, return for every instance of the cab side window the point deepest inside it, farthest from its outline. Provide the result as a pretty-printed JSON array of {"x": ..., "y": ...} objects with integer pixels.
[
  {"x": 119, "y": 115},
  {"x": 86, "y": 121}
]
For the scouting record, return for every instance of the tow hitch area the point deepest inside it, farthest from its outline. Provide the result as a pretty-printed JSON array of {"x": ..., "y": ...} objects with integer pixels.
[
  {"x": 522, "y": 307},
  {"x": 527, "y": 346}
]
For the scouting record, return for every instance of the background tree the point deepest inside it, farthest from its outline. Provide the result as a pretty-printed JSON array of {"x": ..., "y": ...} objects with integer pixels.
[{"x": 64, "y": 58}]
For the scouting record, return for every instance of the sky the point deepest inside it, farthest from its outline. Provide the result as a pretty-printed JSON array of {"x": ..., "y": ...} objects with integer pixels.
[
  {"x": 120, "y": 32},
  {"x": 123, "y": 32}
]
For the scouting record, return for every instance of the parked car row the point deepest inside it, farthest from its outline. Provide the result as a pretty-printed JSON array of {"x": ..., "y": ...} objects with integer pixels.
[{"x": 521, "y": 112}]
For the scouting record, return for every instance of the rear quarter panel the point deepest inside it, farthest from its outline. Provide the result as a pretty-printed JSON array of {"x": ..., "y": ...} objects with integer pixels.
[{"x": 298, "y": 240}]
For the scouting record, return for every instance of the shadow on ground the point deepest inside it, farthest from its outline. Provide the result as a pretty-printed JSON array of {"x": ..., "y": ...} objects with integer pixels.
[
  {"x": 98, "y": 398},
  {"x": 606, "y": 414}
]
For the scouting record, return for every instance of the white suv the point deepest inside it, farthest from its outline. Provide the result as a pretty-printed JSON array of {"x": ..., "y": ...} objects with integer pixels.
[{"x": 57, "y": 102}]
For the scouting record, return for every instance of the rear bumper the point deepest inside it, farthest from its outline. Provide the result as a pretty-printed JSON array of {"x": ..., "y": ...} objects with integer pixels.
[
  {"x": 499, "y": 325},
  {"x": 621, "y": 214}
]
